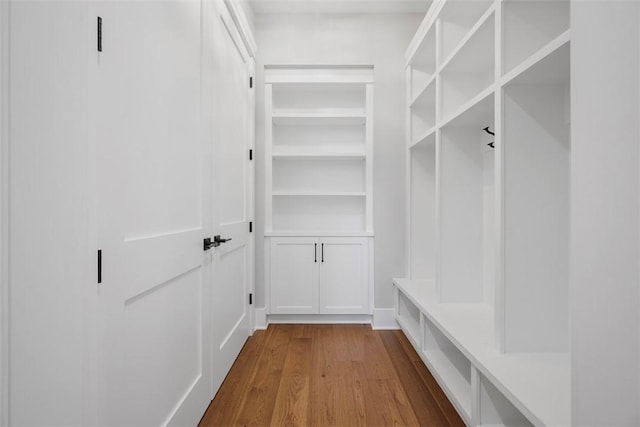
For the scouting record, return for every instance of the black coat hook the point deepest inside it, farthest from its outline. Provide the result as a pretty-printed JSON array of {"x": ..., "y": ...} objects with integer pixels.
[
  {"x": 488, "y": 131},
  {"x": 491, "y": 144}
]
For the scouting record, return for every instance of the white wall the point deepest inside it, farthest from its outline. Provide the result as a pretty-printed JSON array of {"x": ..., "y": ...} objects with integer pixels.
[
  {"x": 48, "y": 211},
  {"x": 376, "y": 39},
  {"x": 605, "y": 230}
]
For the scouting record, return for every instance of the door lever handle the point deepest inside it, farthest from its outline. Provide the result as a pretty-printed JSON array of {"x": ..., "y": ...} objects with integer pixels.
[{"x": 217, "y": 241}]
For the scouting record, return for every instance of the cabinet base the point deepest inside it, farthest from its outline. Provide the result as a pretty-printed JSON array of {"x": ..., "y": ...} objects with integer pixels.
[{"x": 320, "y": 318}]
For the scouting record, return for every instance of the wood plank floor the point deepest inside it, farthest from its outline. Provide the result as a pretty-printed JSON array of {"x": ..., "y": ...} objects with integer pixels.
[{"x": 329, "y": 375}]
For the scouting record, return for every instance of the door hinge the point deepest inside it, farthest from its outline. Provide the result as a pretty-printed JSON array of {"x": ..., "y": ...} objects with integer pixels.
[
  {"x": 250, "y": 82},
  {"x": 250, "y": 154},
  {"x": 250, "y": 226},
  {"x": 99, "y": 34},
  {"x": 99, "y": 265},
  {"x": 250, "y": 299}
]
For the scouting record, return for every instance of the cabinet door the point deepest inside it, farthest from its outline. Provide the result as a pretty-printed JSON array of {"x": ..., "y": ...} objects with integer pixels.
[
  {"x": 344, "y": 278},
  {"x": 294, "y": 275}
]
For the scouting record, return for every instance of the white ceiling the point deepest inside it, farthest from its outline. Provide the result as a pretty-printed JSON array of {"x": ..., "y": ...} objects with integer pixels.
[{"x": 340, "y": 6}]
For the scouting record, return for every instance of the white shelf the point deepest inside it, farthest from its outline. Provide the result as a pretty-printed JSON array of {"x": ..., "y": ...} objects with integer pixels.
[
  {"x": 343, "y": 117},
  {"x": 319, "y": 213},
  {"x": 319, "y": 96},
  {"x": 409, "y": 317},
  {"x": 471, "y": 70},
  {"x": 427, "y": 138},
  {"x": 318, "y": 193},
  {"x": 457, "y": 21},
  {"x": 550, "y": 65},
  {"x": 319, "y": 138},
  {"x": 316, "y": 233},
  {"x": 423, "y": 66},
  {"x": 299, "y": 154},
  {"x": 451, "y": 380},
  {"x": 469, "y": 41},
  {"x": 536, "y": 383},
  {"x": 475, "y": 112},
  {"x": 528, "y": 26},
  {"x": 312, "y": 74},
  {"x": 425, "y": 97}
]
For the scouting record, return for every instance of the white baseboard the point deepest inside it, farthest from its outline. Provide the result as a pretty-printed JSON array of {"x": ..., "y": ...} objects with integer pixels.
[
  {"x": 320, "y": 318},
  {"x": 384, "y": 318},
  {"x": 260, "y": 318}
]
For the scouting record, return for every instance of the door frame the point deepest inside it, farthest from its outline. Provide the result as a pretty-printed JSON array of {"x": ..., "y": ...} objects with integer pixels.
[{"x": 233, "y": 16}]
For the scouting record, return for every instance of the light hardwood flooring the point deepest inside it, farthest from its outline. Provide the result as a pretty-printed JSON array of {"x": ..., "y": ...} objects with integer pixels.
[{"x": 329, "y": 375}]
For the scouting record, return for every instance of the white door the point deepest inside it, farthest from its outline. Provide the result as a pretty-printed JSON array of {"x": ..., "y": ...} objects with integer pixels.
[
  {"x": 231, "y": 170},
  {"x": 154, "y": 299},
  {"x": 294, "y": 275},
  {"x": 344, "y": 280}
]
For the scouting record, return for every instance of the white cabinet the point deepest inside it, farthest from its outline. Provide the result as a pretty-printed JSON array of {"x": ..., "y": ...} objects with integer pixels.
[
  {"x": 319, "y": 275},
  {"x": 294, "y": 275},
  {"x": 343, "y": 276}
]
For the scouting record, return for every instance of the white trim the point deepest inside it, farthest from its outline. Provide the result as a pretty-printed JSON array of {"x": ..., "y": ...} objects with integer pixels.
[
  {"x": 319, "y": 73},
  {"x": 268, "y": 149},
  {"x": 316, "y": 233},
  {"x": 424, "y": 28},
  {"x": 4, "y": 220},
  {"x": 242, "y": 24},
  {"x": 384, "y": 318},
  {"x": 266, "y": 247},
  {"x": 260, "y": 319},
  {"x": 236, "y": 36},
  {"x": 251, "y": 190},
  {"x": 499, "y": 196},
  {"x": 408, "y": 203},
  {"x": 369, "y": 162}
]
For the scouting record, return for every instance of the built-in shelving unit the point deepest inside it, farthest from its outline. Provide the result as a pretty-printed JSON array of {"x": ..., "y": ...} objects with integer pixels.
[
  {"x": 319, "y": 195},
  {"x": 486, "y": 299},
  {"x": 319, "y": 168}
]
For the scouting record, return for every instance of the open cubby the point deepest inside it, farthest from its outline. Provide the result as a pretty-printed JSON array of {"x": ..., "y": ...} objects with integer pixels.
[
  {"x": 318, "y": 96},
  {"x": 319, "y": 213},
  {"x": 409, "y": 316},
  {"x": 423, "y": 211},
  {"x": 537, "y": 193},
  {"x": 424, "y": 66},
  {"x": 529, "y": 25},
  {"x": 466, "y": 200},
  {"x": 325, "y": 175},
  {"x": 496, "y": 410},
  {"x": 457, "y": 18},
  {"x": 318, "y": 139},
  {"x": 423, "y": 112},
  {"x": 451, "y": 367},
  {"x": 470, "y": 71}
]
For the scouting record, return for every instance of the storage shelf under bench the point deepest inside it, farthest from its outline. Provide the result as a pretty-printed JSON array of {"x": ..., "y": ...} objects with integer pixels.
[{"x": 500, "y": 388}]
